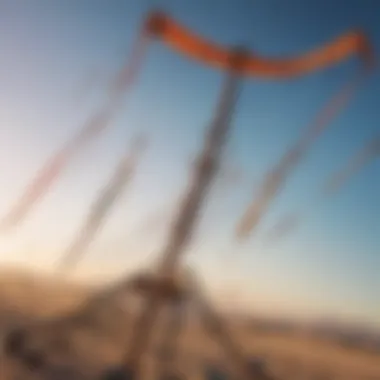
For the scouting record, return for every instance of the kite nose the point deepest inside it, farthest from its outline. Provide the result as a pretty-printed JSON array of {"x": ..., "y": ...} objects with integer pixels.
[{"x": 156, "y": 23}]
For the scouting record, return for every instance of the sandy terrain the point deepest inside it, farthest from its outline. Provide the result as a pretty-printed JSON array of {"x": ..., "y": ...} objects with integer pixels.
[{"x": 93, "y": 340}]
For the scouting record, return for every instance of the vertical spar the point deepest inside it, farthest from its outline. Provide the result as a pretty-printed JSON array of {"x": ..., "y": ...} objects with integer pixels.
[{"x": 182, "y": 230}]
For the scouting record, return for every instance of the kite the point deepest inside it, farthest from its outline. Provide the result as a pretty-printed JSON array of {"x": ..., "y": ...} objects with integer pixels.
[{"x": 158, "y": 25}]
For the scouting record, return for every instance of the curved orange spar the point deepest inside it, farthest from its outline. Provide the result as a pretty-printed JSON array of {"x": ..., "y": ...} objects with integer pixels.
[{"x": 196, "y": 47}]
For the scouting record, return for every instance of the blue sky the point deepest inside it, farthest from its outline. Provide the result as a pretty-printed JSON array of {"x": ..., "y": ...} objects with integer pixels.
[{"x": 51, "y": 49}]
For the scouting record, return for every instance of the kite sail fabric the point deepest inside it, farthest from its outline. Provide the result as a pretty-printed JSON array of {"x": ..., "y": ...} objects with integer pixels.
[
  {"x": 335, "y": 182},
  {"x": 101, "y": 207},
  {"x": 356, "y": 163},
  {"x": 353, "y": 43},
  {"x": 159, "y": 25},
  {"x": 277, "y": 177},
  {"x": 92, "y": 128},
  {"x": 40, "y": 184},
  {"x": 53, "y": 169},
  {"x": 127, "y": 76}
]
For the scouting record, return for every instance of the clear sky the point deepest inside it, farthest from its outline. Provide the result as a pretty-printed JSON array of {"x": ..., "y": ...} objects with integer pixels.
[{"x": 56, "y": 58}]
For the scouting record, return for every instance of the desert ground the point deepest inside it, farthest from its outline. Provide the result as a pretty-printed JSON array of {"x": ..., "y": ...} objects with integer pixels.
[{"x": 71, "y": 332}]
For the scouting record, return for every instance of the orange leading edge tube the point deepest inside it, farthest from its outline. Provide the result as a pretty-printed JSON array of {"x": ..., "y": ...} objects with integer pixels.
[{"x": 196, "y": 47}]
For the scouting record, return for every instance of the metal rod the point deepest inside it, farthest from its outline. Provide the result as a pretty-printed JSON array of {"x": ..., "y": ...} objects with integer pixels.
[
  {"x": 168, "y": 349},
  {"x": 185, "y": 223}
]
